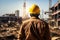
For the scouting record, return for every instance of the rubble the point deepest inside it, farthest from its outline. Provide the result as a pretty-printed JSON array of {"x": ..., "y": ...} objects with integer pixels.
[{"x": 9, "y": 31}]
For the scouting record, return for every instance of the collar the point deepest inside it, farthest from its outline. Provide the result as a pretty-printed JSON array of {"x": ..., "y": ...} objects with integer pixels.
[{"x": 34, "y": 17}]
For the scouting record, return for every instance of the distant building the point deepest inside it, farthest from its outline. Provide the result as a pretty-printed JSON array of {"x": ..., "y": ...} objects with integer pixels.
[
  {"x": 5, "y": 19},
  {"x": 9, "y": 15},
  {"x": 55, "y": 21},
  {"x": 17, "y": 13}
]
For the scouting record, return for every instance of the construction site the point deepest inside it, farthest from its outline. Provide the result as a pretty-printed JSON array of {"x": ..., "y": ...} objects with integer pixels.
[{"x": 10, "y": 23}]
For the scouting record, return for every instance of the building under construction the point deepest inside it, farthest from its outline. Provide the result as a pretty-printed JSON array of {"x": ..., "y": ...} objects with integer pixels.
[
  {"x": 55, "y": 20},
  {"x": 11, "y": 17}
]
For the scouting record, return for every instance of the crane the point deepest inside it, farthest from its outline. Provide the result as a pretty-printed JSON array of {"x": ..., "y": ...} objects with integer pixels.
[
  {"x": 25, "y": 15},
  {"x": 49, "y": 12},
  {"x": 50, "y": 4},
  {"x": 24, "y": 8}
]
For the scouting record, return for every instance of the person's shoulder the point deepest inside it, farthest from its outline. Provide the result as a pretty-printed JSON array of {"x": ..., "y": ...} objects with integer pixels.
[{"x": 26, "y": 21}]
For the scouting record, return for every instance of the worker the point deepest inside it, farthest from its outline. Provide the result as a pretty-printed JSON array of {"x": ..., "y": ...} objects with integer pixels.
[{"x": 34, "y": 28}]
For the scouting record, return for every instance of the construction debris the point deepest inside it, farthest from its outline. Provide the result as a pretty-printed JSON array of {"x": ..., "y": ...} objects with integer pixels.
[{"x": 9, "y": 31}]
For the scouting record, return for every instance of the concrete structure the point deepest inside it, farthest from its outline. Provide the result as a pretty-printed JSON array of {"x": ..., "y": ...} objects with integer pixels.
[
  {"x": 17, "y": 13},
  {"x": 5, "y": 19},
  {"x": 8, "y": 15},
  {"x": 55, "y": 16}
]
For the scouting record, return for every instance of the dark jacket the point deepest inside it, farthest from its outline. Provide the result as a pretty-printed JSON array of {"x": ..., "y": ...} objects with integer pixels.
[{"x": 34, "y": 29}]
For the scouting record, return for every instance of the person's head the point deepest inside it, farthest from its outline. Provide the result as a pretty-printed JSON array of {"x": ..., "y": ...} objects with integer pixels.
[{"x": 34, "y": 10}]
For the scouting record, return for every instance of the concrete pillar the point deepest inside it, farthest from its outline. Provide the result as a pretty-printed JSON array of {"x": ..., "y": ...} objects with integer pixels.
[{"x": 17, "y": 13}]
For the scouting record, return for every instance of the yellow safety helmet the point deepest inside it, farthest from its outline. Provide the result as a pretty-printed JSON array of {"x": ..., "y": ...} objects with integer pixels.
[{"x": 34, "y": 9}]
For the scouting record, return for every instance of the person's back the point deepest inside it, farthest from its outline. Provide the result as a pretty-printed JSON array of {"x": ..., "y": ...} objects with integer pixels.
[{"x": 34, "y": 28}]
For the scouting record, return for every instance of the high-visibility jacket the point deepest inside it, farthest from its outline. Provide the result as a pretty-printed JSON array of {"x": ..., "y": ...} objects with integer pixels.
[{"x": 34, "y": 29}]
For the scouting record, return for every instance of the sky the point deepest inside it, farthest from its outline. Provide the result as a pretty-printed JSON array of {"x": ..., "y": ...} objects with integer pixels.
[{"x": 10, "y": 6}]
